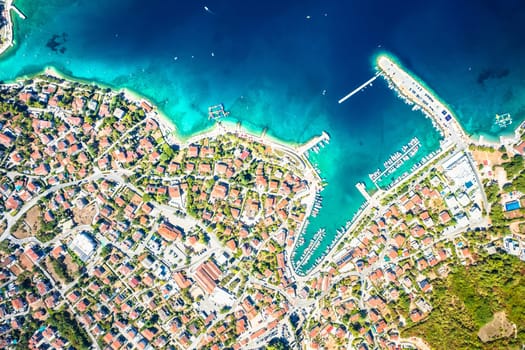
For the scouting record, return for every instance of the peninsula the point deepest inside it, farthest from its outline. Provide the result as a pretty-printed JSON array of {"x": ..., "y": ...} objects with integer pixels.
[
  {"x": 6, "y": 24},
  {"x": 116, "y": 233}
]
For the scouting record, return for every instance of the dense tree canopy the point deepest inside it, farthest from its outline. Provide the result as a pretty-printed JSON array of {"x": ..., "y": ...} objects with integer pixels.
[{"x": 467, "y": 299}]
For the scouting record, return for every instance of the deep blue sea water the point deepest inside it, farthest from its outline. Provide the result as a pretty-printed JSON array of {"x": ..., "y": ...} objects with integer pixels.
[{"x": 269, "y": 65}]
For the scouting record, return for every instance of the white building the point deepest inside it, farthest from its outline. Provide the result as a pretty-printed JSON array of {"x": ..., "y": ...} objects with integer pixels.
[
  {"x": 452, "y": 204},
  {"x": 511, "y": 245},
  {"x": 92, "y": 105},
  {"x": 459, "y": 171},
  {"x": 83, "y": 245},
  {"x": 475, "y": 213},
  {"x": 463, "y": 199},
  {"x": 462, "y": 220},
  {"x": 119, "y": 113}
]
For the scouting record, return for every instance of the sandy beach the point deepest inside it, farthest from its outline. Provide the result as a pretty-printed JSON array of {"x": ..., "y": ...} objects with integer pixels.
[{"x": 168, "y": 124}]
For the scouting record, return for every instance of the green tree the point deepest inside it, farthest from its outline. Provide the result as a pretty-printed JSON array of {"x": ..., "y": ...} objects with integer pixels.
[
  {"x": 278, "y": 344},
  {"x": 70, "y": 329}
]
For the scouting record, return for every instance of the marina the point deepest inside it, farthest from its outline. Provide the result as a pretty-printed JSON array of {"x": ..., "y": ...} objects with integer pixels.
[
  {"x": 429, "y": 157},
  {"x": 313, "y": 245},
  {"x": 318, "y": 204},
  {"x": 395, "y": 168},
  {"x": 396, "y": 160},
  {"x": 308, "y": 252}
]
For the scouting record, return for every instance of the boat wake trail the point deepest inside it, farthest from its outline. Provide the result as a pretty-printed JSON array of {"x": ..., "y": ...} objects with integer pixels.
[{"x": 206, "y": 8}]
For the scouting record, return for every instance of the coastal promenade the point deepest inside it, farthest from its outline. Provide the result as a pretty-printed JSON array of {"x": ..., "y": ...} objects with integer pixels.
[{"x": 295, "y": 153}]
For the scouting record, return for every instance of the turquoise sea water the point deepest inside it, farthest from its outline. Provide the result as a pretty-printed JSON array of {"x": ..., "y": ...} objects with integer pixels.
[{"x": 269, "y": 65}]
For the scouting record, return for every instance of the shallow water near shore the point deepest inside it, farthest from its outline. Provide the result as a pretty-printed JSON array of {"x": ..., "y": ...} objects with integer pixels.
[{"x": 275, "y": 68}]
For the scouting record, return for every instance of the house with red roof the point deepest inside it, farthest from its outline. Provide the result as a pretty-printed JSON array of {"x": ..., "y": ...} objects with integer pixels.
[
  {"x": 520, "y": 148},
  {"x": 219, "y": 191},
  {"x": 193, "y": 151},
  {"x": 444, "y": 217},
  {"x": 169, "y": 232},
  {"x": 12, "y": 203},
  {"x": 33, "y": 254},
  {"x": 232, "y": 245},
  {"x": 42, "y": 170},
  {"x": 6, "y": 140},
  {"x": 18, "y": 304},
  {"x": 427, "y": 220}
]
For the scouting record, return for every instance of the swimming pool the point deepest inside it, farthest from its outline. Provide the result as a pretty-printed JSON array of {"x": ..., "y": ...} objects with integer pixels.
[{"x": 509, "y": 206}]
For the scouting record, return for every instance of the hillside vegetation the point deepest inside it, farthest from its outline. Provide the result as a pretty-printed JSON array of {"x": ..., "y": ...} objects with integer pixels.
[{"x": 467, "y": 299}]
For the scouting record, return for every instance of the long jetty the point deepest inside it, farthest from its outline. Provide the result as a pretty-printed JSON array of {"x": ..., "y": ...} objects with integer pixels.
[
  {"x": 18, "y": 12},
  {"x": 359, "y": 88}
]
